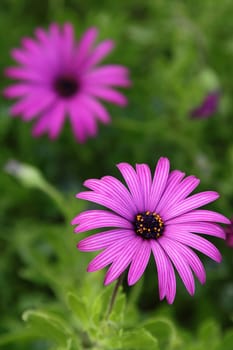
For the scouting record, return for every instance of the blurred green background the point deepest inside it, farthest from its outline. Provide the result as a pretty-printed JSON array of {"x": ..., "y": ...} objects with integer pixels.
[{"x": 177, "y": 52}]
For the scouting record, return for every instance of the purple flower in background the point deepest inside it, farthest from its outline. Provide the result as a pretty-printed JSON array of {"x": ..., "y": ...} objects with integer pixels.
[
  {"x": 151, "y": 215},
  {"x": 208, "y": 106},
  {"x": 229, "y": 234},
  {"x": 59, "y": 78}
]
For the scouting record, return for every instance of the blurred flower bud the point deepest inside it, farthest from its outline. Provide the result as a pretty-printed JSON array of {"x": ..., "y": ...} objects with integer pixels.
[{"x": 28, "y": 175}]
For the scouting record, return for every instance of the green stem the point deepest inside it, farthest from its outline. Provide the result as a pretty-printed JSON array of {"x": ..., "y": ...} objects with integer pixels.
[{"x": 114, "y": 294}]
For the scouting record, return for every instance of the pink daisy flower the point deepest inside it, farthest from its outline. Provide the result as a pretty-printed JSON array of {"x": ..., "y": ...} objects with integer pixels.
[
  {"x": 151, "y": 215},
  {"x": 59, "y": 77},
  {"x": 208, "y": 106},
  {"x": 229, "y": 234}
]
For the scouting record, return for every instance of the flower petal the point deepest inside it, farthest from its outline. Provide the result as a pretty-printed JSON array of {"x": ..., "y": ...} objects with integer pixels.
[
  {"x": 103, "y": 240},
  {"x": 174, "y": 179},
  {"x": 199, "y": 215},
  {"x": 113, "y": 188},
  {"x": 121, "y": 262},
  {"x": 96, "y": 108},
  {"x": 171, "y": 283},
  {"x": 133, "y": 184},
  {"x": 106, "y": 94},
  {"x": 159, "y": 182},
  {"x": 190, "y": 203},
  {"x": 161, "y": 261},
  {"x": 92, "y": 219},
  {"x": 204, "y": 228},
  {"x": 180, "y": 264},
  {"x": 109, "y": 254},
  {"x": 107, "y": 202},
  {"x": 85, "y": 46},
  {"x": 194, "y": 241},
  {"x": 180, "y": 190},
  {"x": 191, "y": 258},
  {"x": 99, "y": 53},
  {"x": 144, "y": 176},
  {"x": 139, "y": 262}
]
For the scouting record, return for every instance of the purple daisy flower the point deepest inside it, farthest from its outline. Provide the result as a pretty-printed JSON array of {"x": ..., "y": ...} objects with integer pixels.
[
  {"x": 229, "y": 234},
  {"x": 152, "y": 214},
  {"x": 208, "y": 106},
  {"x": 59, "y": 77}
]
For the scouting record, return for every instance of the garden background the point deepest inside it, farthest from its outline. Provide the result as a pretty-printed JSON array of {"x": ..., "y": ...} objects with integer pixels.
[{"x": 177, "y": 53}]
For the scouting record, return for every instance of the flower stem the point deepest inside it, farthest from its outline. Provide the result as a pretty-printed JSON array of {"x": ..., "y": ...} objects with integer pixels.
[{"x": 114, "y": 294}]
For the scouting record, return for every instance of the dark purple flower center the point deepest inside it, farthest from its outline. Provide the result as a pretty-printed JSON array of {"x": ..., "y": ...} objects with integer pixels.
[
  {"x": 66, "y": 86},
  {"x": 148, "y": 225}
]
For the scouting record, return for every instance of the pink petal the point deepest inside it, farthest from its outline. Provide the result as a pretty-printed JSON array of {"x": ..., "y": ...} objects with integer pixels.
[
  {"x": 139, "y": 262},
  {"x": 171, "y": 283},
  {"x": 190, "y": 203},
  {"x": 85, "y": 46},
  {"x": 107, "y": 202},
  {"x": 51, "y": 122},
  {"x": 110, "y": 70},
  {"x": 109, "y": 254},
  {"x": 133, "y": 184},
  {"x": 26, "y": 74},
  {"x": 180, "y": 264},
  {"x": 38, "y": 102},
  {"x": 96, "y": 78},
  {"x": 42, "y": 125},
  {"x": 121, "y": 262},
  {"x": 103, "y": 239},
  {"x": 180, "y": 192},
  {"x": 68, "y": 43},
  {"x": 82, "y": 120},
  {"x": 205, "y": 228},
  {"x": 144, "y": 176},
  {"x": 56, "y": 121},
  {"x": 21, "y": 56},
  {"x": 77, "y": 121},
  {"x": 161, "y": 261},
  {"x": 106, "y": 94},
  {"x": 17, "y": 90},
  {"x": 113, "y": 187},
  {"x": 192, "y": 259},
  {"x": 96, "y": 108},
  {"x": 92, "y": 219},
  {"x": 99, "y": 53},
  {"x": 174, "y": 179},
  {"x": 32, "y": 104},
  {"x": 199, "y": 215},
  {"x": 159, "y": 182},
  {"x": 194, "y": 241},
  {"x": 31, "y": 46}
]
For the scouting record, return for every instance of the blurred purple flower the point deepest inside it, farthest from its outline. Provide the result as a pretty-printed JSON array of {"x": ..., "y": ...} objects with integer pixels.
[
  {"x": 208, "y": 106},
  {"x": 229, "y": 234},
  {"x": 151, "y": 215},
  {"x": 58, "y": 77}
]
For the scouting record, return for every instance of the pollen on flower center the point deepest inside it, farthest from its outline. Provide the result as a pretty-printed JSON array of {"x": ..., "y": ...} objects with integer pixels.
[
  {"x": 148, "y": 225},
  {"x": 66, "y": 86}
]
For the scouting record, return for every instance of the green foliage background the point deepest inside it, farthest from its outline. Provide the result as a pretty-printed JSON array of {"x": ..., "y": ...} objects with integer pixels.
[{"x": 177, "y": 52}]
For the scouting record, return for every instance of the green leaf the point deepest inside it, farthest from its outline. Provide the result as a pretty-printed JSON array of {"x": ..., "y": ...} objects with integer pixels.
[
  {"x": 209, "y": 334},
  {"x": 48, "y": 326},
  {"x": 79, "y": 308},
  {"x": 164, "y": 330},
  {"x": 227, "y": 341},
  {"x": 139, "y": 339},
  {"x": 101, "y": 303}
]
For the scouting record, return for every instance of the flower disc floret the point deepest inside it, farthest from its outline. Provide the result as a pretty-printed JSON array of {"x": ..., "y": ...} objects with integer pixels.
[{"x": 148, "y": 225}]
